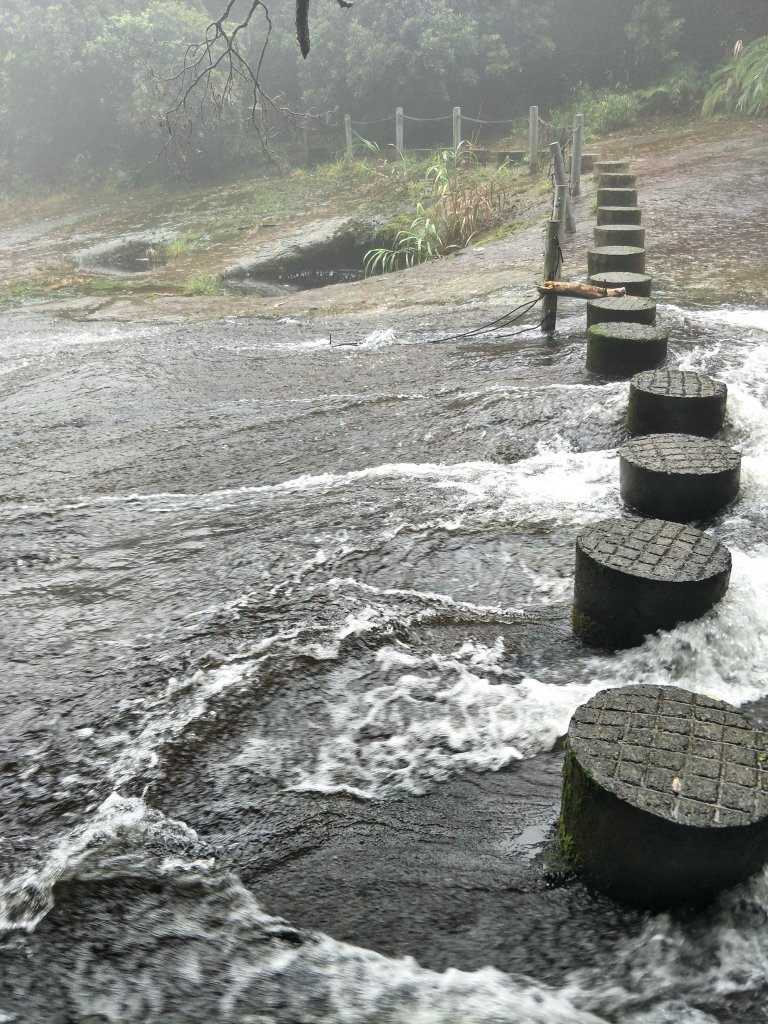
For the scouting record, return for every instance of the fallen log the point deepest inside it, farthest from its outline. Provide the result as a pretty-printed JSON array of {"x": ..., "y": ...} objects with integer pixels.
[{"x": 580, "y": 291}]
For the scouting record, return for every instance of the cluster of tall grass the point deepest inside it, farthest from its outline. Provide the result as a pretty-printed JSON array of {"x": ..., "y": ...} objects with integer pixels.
[{"x": 459, "y": 201}]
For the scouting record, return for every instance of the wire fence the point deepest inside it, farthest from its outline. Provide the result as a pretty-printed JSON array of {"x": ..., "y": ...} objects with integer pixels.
[{"x": 514, "y": 139}]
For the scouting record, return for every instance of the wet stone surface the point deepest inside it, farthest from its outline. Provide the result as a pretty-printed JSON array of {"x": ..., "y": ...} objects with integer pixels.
[
  {"x": 654, "y": 549},
  {"x": 680, "y": 454},
  {"x": 675, "y": 754}
]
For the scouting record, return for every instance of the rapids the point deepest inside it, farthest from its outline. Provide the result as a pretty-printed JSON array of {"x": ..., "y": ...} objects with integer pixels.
[{"x": 288, "y": 663}]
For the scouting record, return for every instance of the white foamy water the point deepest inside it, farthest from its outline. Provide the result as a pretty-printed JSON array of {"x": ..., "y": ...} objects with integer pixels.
[
  {"x": 25, "y": 900},
  {"x": 722, "y": 655},
  {"x": 266, "y": 971},
  {"x": 720, "y": 951},
  {"x": 757, "y": 318}
]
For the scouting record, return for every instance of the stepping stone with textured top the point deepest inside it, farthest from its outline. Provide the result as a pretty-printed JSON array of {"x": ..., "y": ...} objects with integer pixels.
[
  {"x": 678, "y": 476},
  {"x": 636, "y": 576},
  {"x": 619, "y": 234},
  {"x": 616, "y": 196},
  {"x": 665, "y": 796},
  {"x": 605, "y": 258},
  {"x": 621, "y": 349},
  {"x": 676, "y": 401},
  {"x": 619, "y": 215},
  {"x": 622, "y": 310},
  {"x": 639, "y": 285}
]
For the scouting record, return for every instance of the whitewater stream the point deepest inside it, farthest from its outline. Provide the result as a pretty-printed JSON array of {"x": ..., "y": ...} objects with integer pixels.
[{"x": 288, "y": 663}]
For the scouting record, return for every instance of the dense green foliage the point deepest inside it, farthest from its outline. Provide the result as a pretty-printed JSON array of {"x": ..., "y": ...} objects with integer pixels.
[
  {"x": 742, "y": 85},
  {"x": 84, "y": 86}
]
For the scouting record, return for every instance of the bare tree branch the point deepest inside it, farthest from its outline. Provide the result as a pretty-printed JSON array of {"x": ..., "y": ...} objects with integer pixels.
[{"x": 216, "y": 74}]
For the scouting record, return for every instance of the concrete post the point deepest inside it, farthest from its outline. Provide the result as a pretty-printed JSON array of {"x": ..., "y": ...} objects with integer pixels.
[
  {"x": 578, "y": 131},
  {"x": 533, "y": 140},
  {"x": 399, "y": 142},
  {"x": 348, "y": 133},
  {"x": 456, "y": 128},
  {"x": 561, "y": 179},
  {"x": 558, "y": 211},
  {"x": 551, "y": 273}
]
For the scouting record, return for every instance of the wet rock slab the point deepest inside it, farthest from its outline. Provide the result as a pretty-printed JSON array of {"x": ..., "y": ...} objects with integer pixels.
[
  {"x": 470, "y": 870},
  {"x": 665, "y": 795}
]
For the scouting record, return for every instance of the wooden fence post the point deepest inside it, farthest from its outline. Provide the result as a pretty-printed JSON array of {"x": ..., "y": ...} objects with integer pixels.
[
  {"x": 533, "y": 140},
  {"x": 399, "y": 141},
  {"x": 578, "y": 130},
  {"x": 348, "y": 133},
  {"x": 456, "y": 128},
  {"x": 561, "y": 179},
  {"x": 551, "y": 273}
]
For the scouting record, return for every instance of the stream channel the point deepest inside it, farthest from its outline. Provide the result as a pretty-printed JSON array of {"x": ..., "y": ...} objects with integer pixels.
[{"x": 288, "y": 659}]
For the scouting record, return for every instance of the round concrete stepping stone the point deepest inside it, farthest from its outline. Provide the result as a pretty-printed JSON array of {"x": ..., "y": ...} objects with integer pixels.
[
  {"x": 622, "y": 310},
  {"x": 619, "y": 215},
  {"x": 678, "y": 476},
  {"x": 616, "y": 196},
  {"x": 639, "y": 285},
  {"x": 616, "y": 179},
  {"x": 614, "y": 258},
  {"x": 636, "y": 576},
  {"x": 609, "y": 167},
  {"x": 621, "y": 349},
  {"x": 619, "y": 234},
  {"x": 676, "y": 401},
  {"x": 665, "y": 796}
]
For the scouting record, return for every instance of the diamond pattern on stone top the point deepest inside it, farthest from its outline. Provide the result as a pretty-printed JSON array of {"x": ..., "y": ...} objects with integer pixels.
[
  {"x": 678, "y": 384},
  {"x": 680, "y": 454},
  {"x": 679, "y": 775},
  {"x": 654, "y": 549}
]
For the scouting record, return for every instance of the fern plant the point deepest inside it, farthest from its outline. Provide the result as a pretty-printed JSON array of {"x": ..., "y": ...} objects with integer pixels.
[{"x": 741, "y": 86}]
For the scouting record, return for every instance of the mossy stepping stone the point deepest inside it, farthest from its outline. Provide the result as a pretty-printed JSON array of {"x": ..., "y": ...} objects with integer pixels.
[
  {"x": 621, "y": 349},
  {"x": 616, "y": 179},
  {"x": 616, "y": 196},
  {"x": 609, "y": 167},
  {"x": 625, "y": 309},
  {"x": 615, "y": 257},
  {"x": 639, "y": 285},
  {"x": 619, "y": 234},
  {"x": 619, "y": 215}
]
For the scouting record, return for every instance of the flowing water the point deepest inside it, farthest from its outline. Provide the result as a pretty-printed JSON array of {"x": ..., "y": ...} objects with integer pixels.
[{"x": 288, "y": 663}]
